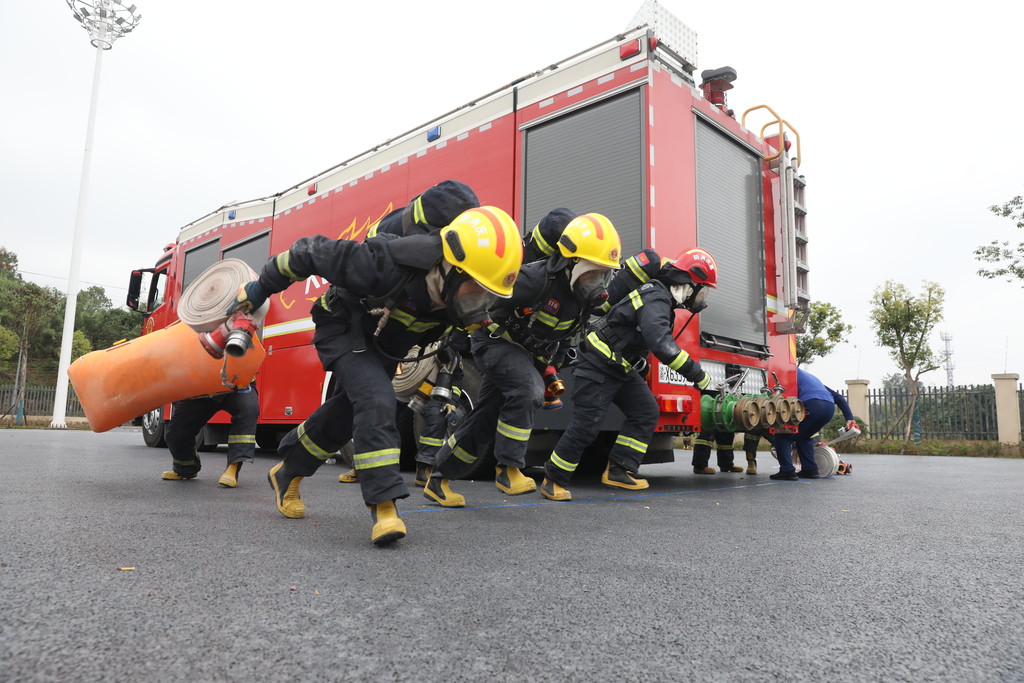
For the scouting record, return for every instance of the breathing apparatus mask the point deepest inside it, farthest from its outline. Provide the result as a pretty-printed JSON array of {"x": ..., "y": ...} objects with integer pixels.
[
  {"x": 589, "y": 281},
  {"x": 689, "y": 296},
  {"x": 467, "y": 301}
]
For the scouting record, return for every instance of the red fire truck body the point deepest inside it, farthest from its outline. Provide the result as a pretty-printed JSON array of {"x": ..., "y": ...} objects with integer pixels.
[{"x": 622, "y": 130}]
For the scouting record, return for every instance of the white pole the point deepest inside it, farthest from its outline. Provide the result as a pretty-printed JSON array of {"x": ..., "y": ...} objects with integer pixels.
[{"x": 60, "y": 402}]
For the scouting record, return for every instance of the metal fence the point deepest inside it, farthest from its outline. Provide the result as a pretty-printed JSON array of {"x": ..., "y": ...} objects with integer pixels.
[
  {"x": 942, "y": 414},
  {"x": 38, "y": 401}
]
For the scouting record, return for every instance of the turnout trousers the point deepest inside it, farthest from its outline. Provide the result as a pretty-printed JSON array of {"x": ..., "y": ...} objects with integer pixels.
[
  {"x": 511, "y": 392},
  {"x": 435, "y": 427},
  {"x": 362, "y": 409},
  {"x": 593, "y": 391},
  {"x": 190, "y": 415},
  {"x": 819, "y": 412},
  {"x": 722, "y": 441}
]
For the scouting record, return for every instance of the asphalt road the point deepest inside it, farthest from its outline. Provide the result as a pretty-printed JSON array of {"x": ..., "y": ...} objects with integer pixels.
[{"x": 908, "y": 570}]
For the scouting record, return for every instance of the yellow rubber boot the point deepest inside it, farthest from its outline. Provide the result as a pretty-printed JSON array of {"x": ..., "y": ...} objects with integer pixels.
[
  {"x": 512, "y": 481},
  {"x": 751, "y": 464},
  {"x": 703, "y": 470},
  {"x": 552, "y": 490},
  {"x": 230, "y": 476},
  {"x": 287, "y": 493},
  {"x": 349, "y": 477},
  {"x": 387, "y": 527},
  {"x": 618, "y": 476},
  {"x": 437, "y": 490},
  {"x": 174, "y": 476}
]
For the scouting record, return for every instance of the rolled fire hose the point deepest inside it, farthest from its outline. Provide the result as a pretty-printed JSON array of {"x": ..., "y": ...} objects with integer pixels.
[
  {"x": 827, "y": 459},
  {"x": 204, "y": 305},
  {"x": 412, "y": 375}
]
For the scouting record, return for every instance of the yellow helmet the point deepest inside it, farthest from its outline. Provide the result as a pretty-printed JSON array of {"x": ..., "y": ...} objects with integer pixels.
[
  {"x": 485, "y": 244},
  {"x": 591, "y": 237}
]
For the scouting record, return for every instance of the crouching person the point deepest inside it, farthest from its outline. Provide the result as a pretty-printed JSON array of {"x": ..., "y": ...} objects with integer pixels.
[
  {"x": 388, "y": 294},
  {"x": 612, "y": 358}
]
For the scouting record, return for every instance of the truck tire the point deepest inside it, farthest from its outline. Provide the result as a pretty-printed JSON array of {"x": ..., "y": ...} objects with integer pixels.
[{"x": 153, "y": 428}]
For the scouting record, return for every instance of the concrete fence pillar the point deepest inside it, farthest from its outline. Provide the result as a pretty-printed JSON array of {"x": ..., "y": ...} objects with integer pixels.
[
  {"x": 857, "y": 390},
  {"x": 1007, "y": 407}
]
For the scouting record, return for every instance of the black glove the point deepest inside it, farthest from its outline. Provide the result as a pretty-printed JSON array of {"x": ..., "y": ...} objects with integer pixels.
[
  {"x": 249, "y": 298},
  {"x": 704, "y": 386}
]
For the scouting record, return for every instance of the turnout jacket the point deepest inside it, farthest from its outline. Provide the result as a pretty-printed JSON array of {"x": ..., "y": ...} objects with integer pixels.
[
  {"x": 636, "y": 270},
  {"x": 639, "y": 324},
  {"x": 542, "y": 315},
  {"x": 385, "y": 272}
]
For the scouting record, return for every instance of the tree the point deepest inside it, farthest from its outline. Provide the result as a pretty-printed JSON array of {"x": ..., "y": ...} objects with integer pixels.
[
  {"x": 36, "y": 310},
  {"x": 79, "y": 346},
  {"x": 102, "y": 324},
  {"x": 1009, "y": 261},
  {"x": 903, "y": 323},
  {"x": 825, "y": 331}
]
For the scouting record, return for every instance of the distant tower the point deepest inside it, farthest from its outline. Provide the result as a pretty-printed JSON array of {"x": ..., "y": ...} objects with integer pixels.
[{"x": 950, "y": 365}]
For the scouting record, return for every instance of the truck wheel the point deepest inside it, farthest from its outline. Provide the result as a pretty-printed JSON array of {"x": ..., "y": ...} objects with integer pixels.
[{"x": 153, "y": 428}]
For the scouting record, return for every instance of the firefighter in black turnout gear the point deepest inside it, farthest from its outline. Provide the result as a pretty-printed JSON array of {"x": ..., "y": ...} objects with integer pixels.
[
  {"x": 542, "y": 241},
  {"x": 613, "y": 356},
  {"x": 189, "y": 416},
  {"x": 388, "y": 294},
  {"x": 426, "y": 214},
  {"x": 551, "y": 300}
]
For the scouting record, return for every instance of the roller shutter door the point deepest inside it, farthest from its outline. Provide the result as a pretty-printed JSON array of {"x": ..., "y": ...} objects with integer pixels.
[
  {"x": 255, "y": 252},
  {"x": 197, "y": 260},
  {"x": 729, "y": 225},
  {"x": 590, "y": 160}
]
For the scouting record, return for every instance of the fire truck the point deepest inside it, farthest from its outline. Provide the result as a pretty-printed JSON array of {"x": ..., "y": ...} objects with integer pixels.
[{"x": 622, "y": 129}]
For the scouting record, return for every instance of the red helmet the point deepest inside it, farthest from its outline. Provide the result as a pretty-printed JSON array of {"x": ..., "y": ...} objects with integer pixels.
[{"x": 692, "y": 266}]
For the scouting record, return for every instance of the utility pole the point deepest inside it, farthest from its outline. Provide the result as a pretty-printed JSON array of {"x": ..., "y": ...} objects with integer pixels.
[{"x": 106, "y": 21}]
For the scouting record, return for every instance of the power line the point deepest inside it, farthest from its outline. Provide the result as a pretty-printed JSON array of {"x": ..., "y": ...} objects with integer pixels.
[{"x": 58, "y": 277}]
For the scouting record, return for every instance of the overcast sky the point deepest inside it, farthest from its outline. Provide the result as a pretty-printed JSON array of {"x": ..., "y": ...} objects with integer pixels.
[{"x": 908, "y": 113}]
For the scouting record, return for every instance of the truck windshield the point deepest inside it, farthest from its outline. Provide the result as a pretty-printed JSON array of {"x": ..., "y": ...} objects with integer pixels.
[{"x": 153, "y": 291}]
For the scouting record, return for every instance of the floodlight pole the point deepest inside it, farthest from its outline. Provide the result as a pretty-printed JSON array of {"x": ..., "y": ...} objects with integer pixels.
[{"x": 106, "y": 21}]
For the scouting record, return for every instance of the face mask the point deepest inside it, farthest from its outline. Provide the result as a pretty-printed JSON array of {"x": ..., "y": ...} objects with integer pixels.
[
  {"x": 590, "y": 281},
  {"x": 469, "y": 304},
  {"x": 689, "y": 297}
]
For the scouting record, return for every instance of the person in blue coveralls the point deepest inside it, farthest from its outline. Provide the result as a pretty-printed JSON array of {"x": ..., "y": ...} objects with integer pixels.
[{"x": 820, "y": 405}]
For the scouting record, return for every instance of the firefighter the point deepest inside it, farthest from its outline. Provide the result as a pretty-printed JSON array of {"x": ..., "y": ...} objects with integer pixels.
[
  {"x": 612, "y": 358},
  {"x": 820, "y": 405},
  {"x": 425, "y": 214},
  {"x": 723, "y": 442},
  {"x": 388, "y": 294},
  {"x": 191, "y": 415},
  {"x": 428, "y": 212},
  {"x": 542, "y": 241},
  {"x": 551, "y": 300}
]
